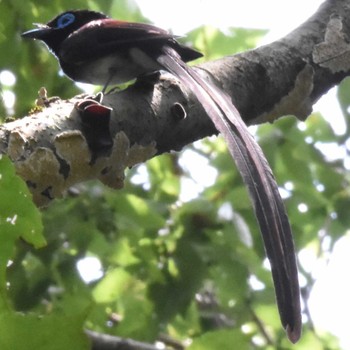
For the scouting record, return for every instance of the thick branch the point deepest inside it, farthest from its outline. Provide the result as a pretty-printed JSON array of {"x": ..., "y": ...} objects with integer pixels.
[
  {"x": 288, "y": 76},
  {"x": 157, "y": 114}
]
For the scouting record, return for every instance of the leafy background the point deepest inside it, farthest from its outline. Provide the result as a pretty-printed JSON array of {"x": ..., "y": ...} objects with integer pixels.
[{"x": 192, "y": 271}]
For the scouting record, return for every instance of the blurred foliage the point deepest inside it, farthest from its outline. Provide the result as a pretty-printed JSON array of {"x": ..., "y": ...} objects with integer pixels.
[{"x": 168, "y": 267}]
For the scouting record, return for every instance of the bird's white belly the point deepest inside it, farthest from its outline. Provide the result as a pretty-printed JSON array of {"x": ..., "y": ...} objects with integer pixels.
[{"x": 117, "y": 69}]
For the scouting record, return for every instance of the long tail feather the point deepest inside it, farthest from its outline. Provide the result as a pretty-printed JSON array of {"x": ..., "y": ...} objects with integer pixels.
[{"x": 257, "y": 175}]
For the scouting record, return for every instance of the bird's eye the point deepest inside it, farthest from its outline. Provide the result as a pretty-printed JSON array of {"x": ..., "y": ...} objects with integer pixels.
[{"x": 65, "y": 20}]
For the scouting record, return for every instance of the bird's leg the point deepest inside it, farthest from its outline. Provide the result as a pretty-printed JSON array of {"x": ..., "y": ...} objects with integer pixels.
[{"x": 112, "y": 72}]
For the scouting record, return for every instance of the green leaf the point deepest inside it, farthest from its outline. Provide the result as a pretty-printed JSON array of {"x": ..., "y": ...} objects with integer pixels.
[
  {"x": 164, "y": 177},
  {"x": 133, "y": 211},
  {"x": 113, "y": 285},
  {"x": 19, "y": 217},
  {"x": 319, "y": 129},
  {"x": 215, "y": 44},
  {"x": 31, "y": 332},
  {"x": 344, "y": 99},
  {"x": 222, "y": 339},
  {"x": 183, "y": 276}
]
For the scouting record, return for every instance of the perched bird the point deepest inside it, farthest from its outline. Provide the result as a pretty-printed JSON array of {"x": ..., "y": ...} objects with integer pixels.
[{"x": 93, "y": 48}]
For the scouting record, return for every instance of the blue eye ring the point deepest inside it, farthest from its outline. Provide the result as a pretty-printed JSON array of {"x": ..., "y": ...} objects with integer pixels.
[{"x": 65, "y": 20}]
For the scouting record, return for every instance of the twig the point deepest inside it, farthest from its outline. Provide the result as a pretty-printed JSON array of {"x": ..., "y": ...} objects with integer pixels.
[{"x": 108, "y": 342}]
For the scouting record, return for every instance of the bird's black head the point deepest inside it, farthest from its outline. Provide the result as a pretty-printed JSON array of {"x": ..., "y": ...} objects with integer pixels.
[{"x": 60, "y": 27}]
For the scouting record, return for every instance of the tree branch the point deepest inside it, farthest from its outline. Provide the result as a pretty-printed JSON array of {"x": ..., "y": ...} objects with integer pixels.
[
  {"x": 109, "y": 342},
  {"x": 288, "y": 76}
]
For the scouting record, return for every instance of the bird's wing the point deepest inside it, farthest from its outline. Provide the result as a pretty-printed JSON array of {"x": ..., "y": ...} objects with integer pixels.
[{"x": 111, "y": 36}]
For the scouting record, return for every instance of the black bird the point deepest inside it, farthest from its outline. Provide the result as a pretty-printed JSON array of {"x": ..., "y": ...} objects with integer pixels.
[{"x": 93, "y": 48}]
